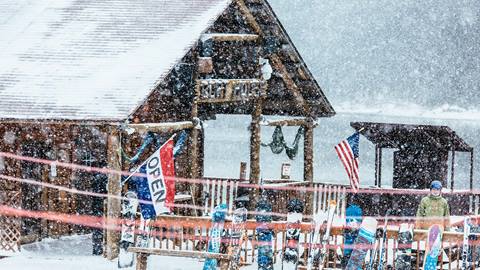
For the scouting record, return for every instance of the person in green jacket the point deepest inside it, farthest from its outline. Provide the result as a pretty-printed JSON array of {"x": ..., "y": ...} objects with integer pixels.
[{"x": 433, "y": 209}]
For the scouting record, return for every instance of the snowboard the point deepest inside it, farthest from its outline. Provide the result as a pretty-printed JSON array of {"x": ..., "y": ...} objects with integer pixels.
[
  {"x": 373, "y": 264},
  {"x": 474, "y": 250},
  {"x": 317, "y": 221},
  {"x": 264, "y": 235},
  {"x": 433, "y": 247},
  {"x": 129, "y": 211},
  {"x": 382, "y": 245},
  {"x": 291, "y": 250},
  {"x": 238, "y": 227},
  {"x": 326, "y": 235},
  {"x": 143, "y": 238},
  {"x": 218, "y": 220},
  {"x": 466, "y": 246},
  {"x": 353, "y": 220},
  {"x": 405, "y": 238},
  {"x": 363, "y": 243}
]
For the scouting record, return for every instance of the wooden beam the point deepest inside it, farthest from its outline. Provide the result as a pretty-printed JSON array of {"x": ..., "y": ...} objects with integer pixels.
[
  {"x": 249, "y": 17},
  {"x": 162, "y": 127},
  {"x": 229, "y": 37},
  {"x": 288, "y": 122},
  {"x": 114, "y": 192},
  {"x": 289, "y": 82},
  {"x": 67, "y": 122}
]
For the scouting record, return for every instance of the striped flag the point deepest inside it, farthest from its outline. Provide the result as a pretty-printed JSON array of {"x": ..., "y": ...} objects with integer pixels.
[
  {"x": 158, "y": 187},
  {"x": 347, "y": 151}
]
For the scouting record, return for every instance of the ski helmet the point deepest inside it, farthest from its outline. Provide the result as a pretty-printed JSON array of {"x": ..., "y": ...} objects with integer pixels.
[
  {"x": 353, "y": 214},
  {"x": 295, "y": 205},
  {"x": 219, "y": 212},
  {"x": 436, "y": 185}
]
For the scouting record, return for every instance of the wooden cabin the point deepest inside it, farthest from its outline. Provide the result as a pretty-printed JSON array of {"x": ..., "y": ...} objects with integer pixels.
[
  {"x": 81, "y": 76},
  {"x": 420, "y": 156}
]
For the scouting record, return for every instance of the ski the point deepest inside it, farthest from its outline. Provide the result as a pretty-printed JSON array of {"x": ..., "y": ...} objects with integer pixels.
[
  {"x": 465, "y": 248},
  {"x": 353, "y": 220},
  {"x": 405, "y": 238},
  {"x": 474, "y": 250},
  {"x": 143, "y": 238},
  {"x": 365, "y": 239},
  {"x": 372, "y": 264},
  {"x": 129, "y": 211},
  {"x": 326, "y": 236},
  {"x": 291, "y": 249},
  {"x": 264, "y": 235},
  {"x": 238, "y": 227},
  {"x": 317, "y": 221},
  {"x": 382, "y": 248},
  {"x": 433, "y": 247},
  {"x": 215, "y": 234}
]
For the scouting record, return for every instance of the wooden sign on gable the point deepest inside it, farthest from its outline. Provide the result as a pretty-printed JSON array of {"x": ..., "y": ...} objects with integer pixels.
[{"x": 229, "y": 90}]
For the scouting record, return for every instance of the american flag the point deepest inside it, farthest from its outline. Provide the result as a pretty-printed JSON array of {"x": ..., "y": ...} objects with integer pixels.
[{"x": 347, "y": 151}]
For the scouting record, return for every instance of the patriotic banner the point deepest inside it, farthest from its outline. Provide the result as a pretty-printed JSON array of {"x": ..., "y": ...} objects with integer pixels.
[
  {"x": 347, "y": 151},
  {"x": 155, "y": 187}
]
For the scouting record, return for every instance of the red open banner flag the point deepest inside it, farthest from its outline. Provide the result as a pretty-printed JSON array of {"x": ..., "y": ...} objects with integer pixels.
[{"x": 158, "y": 187}]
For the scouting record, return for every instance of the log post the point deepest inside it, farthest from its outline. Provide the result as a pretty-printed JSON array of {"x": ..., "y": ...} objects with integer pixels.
[
  {"x": 380, "y": 150},
  {"x": 255, "y": 151},
  {"x": 194, "y": 143},
  {"x": 471, "y": 170},
  {"x": 308, "y": 152},
  {"x": 141, "y": 261},
  {"x": 194, "y": 149},
  {"x": 308, "y": 162},
  {"x": 114, "y": 189},
  {"x": 452, "y": 177},
  {"x": 376, "y": 165}
]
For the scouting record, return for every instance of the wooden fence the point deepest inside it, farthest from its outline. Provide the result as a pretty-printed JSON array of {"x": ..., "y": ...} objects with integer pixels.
[
  {"x": 190, "y": 233},
  {"x": 218, "y": 190}
]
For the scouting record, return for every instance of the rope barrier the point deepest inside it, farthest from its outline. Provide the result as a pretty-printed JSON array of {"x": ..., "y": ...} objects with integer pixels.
[
  {"x": 199, "y": 181},
  {"x": 171, "y": 224},
  {"x": 174, "y": 205}
]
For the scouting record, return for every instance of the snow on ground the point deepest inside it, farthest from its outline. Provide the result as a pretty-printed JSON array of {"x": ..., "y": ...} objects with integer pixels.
[{"x": 73, "y": 253}]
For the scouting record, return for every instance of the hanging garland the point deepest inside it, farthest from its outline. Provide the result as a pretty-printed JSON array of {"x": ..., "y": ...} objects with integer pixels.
[{"x": 278, "y": 142}]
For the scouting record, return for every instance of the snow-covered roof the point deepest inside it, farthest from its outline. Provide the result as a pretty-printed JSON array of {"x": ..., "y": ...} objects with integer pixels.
[{"x": 92, "y": 59}]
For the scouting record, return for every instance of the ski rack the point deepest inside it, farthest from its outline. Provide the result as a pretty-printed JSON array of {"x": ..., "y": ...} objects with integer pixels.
[{"x": 182, "y": 236}]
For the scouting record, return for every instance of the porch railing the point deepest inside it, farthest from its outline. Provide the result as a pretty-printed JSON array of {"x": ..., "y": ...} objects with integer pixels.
[{"x": 190, "y": 233}]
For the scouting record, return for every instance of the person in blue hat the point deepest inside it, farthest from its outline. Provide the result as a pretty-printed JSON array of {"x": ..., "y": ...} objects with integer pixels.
[
  {"x": 433, "y": 209},
  {"x": 353, "y": 220}
]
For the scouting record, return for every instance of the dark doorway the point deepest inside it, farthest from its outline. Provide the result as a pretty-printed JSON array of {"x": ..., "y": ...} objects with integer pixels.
[{"x": 33, "y": 196}]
